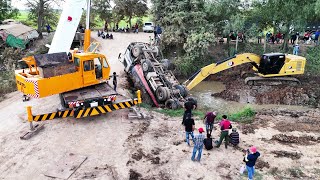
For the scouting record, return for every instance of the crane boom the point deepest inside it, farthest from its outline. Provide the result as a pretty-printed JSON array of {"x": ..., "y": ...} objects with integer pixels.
[
  {"x": 221, "y": 66},
  {"x": 67, "y": 26}
]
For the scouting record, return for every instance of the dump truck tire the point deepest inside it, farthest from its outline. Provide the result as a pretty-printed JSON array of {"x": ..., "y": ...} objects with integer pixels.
[
  {"x": 182, "y": 89},
  {"x": 161, "y": 94},
  {"x": 135, "y": 51},
  {"x": 146, "y": 65},
  {"x": 166, "y": 64},
  {"x": 171, "y": 104}
]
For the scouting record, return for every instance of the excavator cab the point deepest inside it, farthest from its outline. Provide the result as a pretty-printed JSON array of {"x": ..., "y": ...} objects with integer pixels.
[{"x": 271, "y": 63}]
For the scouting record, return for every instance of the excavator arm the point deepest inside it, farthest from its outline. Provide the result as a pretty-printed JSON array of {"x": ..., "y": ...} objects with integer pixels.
[{"x": 221, "y": 66}]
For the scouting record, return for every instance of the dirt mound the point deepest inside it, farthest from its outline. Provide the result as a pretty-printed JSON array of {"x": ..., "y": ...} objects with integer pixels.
[
  {"x": 133, "y": 175},
  {"x": 260, "y": 164},
  {"x": 292, "y": 155},
  {"x": 302, "y": 140},
  {"x": 236, "y": 90}
]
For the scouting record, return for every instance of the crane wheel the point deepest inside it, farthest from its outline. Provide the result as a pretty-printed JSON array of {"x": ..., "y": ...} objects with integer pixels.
[
  {"x": 162, "y": 93},
  {"x": 171, "y": 104},
  {"x": 146, "y": 65}
]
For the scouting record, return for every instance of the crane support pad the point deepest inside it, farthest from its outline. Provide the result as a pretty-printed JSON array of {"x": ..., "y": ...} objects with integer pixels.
[{"x": 92, "y": 111}]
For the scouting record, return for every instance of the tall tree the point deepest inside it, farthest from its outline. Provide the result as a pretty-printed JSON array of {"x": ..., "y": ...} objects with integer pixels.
[
  {"x": 186, "y": 30},
  {"x": 289, "y": 15},
  {"x": 103, "y": 9},
  {"x": 131, "y": 8},
  {"x": 6, "y": 10},
  {"x": 42, "y": 12}
]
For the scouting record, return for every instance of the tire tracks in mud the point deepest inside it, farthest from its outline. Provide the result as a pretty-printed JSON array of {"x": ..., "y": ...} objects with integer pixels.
[{"x": 144, "y": 164}]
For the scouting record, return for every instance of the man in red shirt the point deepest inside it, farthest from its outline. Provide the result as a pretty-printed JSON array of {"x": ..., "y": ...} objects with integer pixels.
[{"x": 225, "y": 125}]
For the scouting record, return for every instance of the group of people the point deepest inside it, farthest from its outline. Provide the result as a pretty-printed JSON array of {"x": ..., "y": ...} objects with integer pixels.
[
  {"x": 228, "y": 134},
  {"x": 105, "y": 36},
  {"x": 134, "y": 28},
  {"x": 271, "y": 38}
]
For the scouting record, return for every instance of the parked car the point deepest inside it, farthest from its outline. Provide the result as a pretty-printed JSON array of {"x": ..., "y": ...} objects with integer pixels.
[{"x": 148, "y": 27}]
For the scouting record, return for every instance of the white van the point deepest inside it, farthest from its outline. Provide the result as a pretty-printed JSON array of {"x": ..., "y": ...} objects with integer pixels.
[{"x": 148, "y": 27}]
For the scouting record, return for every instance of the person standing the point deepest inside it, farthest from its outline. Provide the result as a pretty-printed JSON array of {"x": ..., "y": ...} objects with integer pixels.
[
  {"x": 208, "y": 142},
  {"x": 209, "y": 120},
  {"x": 260, "y": 34},
  {"x": 136, "y": 28},
  {"x": 48, "y": 28},
  {"x": 250, "y": 159},
  {"x": 316, "y": 37},
  {"x": 189, "y": 127},
  {"x": 198, "y": 145},
  {"x": 188, "y": 106},
  {"x": 296, "y": 49},
  {"x": 225, "y": 127},
  {"x": 114, "y": 81},
  {"x": 234, "y": 137}
]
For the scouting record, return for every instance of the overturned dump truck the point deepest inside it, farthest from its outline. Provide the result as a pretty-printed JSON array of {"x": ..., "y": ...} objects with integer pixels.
[{"x": 151, "y": 73}]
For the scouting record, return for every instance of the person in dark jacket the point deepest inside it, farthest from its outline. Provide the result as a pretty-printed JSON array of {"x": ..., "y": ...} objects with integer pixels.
[
  {"x": 208, "y": 142},
  {"x": 234, "y": 137},
  {"x": 250, "y": 159},
  {"x": 114, "y": 81}
]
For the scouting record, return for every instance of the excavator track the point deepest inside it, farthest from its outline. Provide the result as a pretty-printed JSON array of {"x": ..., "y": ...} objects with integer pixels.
[{"x": 272, "y": 81}]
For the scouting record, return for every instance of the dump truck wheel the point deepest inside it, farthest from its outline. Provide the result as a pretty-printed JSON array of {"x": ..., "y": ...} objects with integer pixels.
[
  {"x": 146, "y": 65},
  {"x": 166, "y": 63},
  {"x": 161, "y": 94},
  {"x": 171, "y": 104},
  {"x": 135, "y": 51},
  {"x": 183, "y": 91}
]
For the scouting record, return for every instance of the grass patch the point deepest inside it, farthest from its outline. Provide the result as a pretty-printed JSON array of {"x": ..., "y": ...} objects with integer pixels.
[
  {"x": 245, "y": 115},
  {"x": 179, "y": 112}
]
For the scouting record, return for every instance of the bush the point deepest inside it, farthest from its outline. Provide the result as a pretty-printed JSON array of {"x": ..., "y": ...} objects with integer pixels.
[
  {"x": 245, "y": 115},
  {"x": 313, "y": 61},
  {"x": 179, "y": 112},
  {"x": 7, "y": 83}
]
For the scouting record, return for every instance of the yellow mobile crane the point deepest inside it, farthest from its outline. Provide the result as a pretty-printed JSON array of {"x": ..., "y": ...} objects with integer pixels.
[
  {"x": 80, "y": 78},
  {"x": 271, "y": 68}
]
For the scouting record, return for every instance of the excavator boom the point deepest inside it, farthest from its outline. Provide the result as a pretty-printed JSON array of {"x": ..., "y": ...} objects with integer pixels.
[{"x": 221, "y": 66}]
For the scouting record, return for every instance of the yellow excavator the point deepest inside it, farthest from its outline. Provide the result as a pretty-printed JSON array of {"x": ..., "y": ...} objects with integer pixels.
[{"x": 271, "y": 69}]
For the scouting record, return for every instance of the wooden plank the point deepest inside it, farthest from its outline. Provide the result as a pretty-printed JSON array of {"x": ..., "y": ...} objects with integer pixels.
[{"x": 65, "y": 167}]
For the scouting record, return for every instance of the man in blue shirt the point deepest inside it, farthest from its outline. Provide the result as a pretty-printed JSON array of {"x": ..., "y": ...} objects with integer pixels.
[
  {"x": 250, "y": 160},
  {"x": 317, "y": 34},
  {"x": 198, "y": 145}
]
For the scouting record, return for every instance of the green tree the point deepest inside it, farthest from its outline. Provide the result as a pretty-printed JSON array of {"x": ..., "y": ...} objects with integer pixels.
[
  {"x": 288, "y": 15},
  {"x": 187, "y": 30},
  {"x": 131, "y": 8},
  {"x": 6, "y": 10},
  {"x": 102, "y": 8},
  {"x": 42, "y": 13}
]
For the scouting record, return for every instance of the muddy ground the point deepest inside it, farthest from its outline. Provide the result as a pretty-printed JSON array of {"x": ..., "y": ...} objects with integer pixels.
[
  {"x": 118, "y": 148},
  {"x": 305, "y": 94}
]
